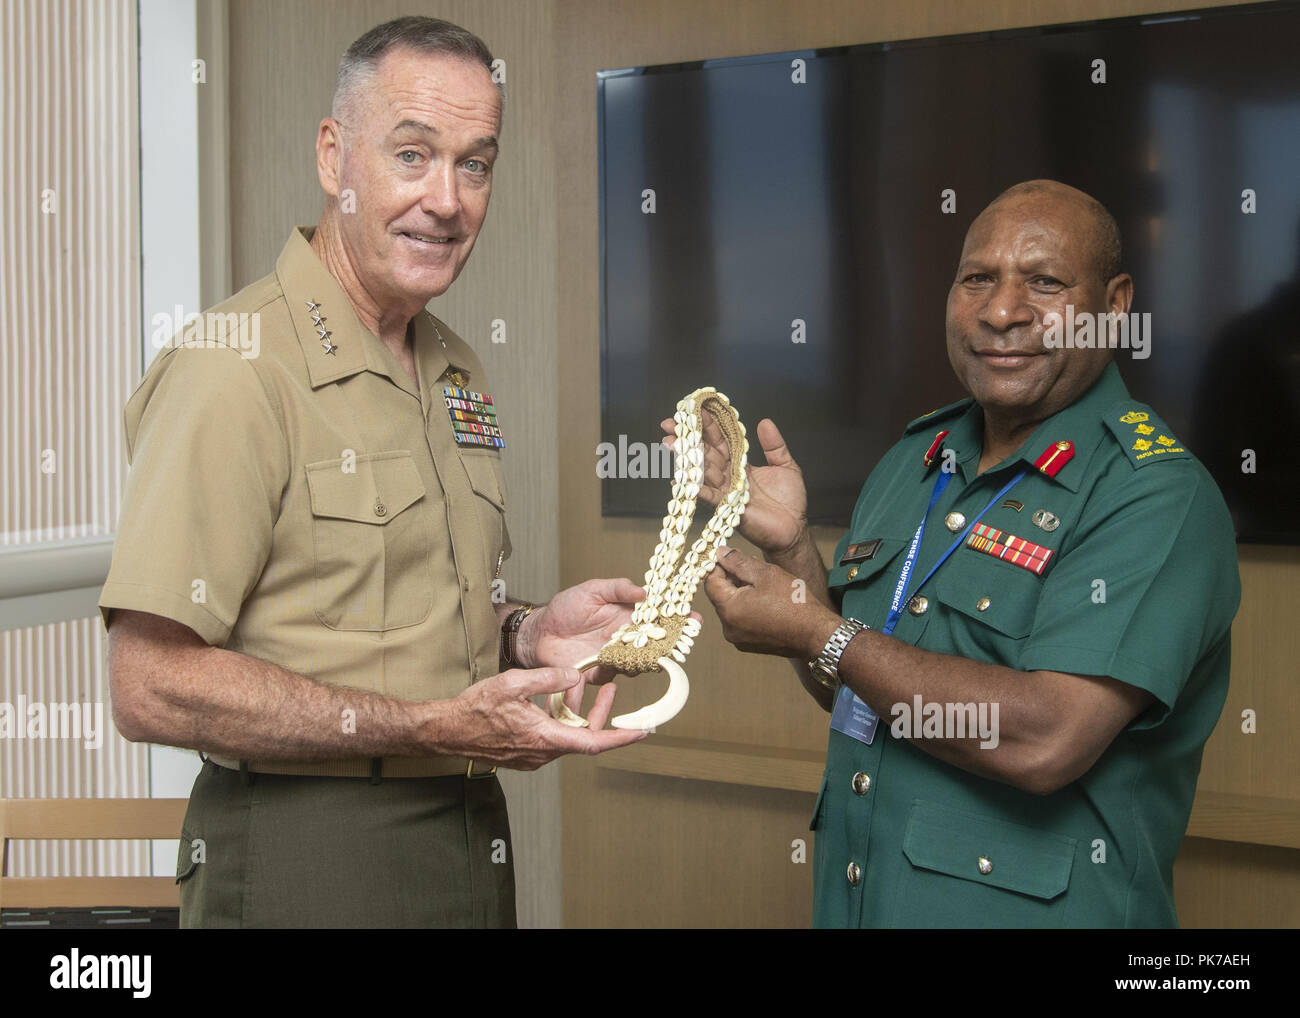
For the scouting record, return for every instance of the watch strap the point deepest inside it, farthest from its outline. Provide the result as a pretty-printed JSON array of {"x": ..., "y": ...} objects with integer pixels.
[{"x": 825, "y": 668}]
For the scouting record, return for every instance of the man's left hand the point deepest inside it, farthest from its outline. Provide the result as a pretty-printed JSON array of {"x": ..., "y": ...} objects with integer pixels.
[
  {"x": 575, "y": 625},
  {"x": 766, "y": 610}
]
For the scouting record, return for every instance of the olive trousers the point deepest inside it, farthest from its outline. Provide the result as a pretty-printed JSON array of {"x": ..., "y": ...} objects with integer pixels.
[{"x": 270, "y": 850}]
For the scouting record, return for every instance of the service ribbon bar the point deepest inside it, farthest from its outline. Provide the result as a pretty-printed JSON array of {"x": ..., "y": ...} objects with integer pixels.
[
  {"x": 1009, "y": 548},
  {"x": 473, "y": 417}
]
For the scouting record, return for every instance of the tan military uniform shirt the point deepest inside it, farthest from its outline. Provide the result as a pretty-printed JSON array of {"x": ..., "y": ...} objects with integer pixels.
[{"x": 312, "y": 508}]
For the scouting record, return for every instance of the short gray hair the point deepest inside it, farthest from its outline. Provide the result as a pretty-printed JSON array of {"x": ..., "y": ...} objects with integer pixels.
[{"x": 431, "y": 36}]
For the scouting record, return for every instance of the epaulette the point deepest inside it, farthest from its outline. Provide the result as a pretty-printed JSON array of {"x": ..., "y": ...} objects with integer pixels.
[
  {"x": 951, "y": 410},
  {"x": 1143, "y": 436}
]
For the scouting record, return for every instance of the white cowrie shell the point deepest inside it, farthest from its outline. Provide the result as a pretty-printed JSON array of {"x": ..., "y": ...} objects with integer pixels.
[
  {"x": 641, "y": 640},
  {"x": 679, "y": 657},
  {"x": 695, "y": 457},
  {"x": 727, "y": 532},
  {"x": 629, "y": 636},
  {"x": 677, "y": 541},
  {"x": 656, "y": 632},
  {"x": 683, "y": 525},
  {"x": 692, "y": 490}
]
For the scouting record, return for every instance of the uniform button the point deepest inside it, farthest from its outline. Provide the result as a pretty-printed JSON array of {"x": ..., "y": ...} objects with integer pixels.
[
  {"x": 853, "y": 572},
  {"x": 861, "y": 782},
  {"x": 855, "y": 874},
  {"x": 986, "y": 865},
  {"x": 954, "y": 521},
  {"x": 380, "y": 509},
  {"x": 982, "y": 605},
  {"x": 464, "y": 584},
  {"x": 919, "y": 605}
]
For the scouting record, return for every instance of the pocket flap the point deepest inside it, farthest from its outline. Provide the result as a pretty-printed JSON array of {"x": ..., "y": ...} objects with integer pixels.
[
  {"x": 1021, "y": 859},
  {"x": 1001, "y": 596},
  {"x": 483, "y": 478},
  {"x": 381, "y": 486},
  {"x": 853, "y": 573}
]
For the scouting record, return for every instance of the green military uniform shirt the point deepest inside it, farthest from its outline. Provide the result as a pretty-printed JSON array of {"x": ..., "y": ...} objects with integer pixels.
[
  {"x": 1140, "y": 585},
  {"x": 297, "y": 497}
]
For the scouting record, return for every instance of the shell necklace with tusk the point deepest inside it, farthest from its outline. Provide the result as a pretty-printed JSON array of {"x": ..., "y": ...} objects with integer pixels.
[{"x": 662, "y": 631}]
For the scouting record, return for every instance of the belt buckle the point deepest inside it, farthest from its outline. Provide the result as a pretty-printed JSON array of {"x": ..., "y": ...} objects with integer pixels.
[{"x": 470, "y": 775}]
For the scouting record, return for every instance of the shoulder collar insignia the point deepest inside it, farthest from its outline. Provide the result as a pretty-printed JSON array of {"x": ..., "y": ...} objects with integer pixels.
[
  {"x": 933, "y": 451},
  {"x": 1054, "y": 457},
  {"x": 1143, "y": 436}
]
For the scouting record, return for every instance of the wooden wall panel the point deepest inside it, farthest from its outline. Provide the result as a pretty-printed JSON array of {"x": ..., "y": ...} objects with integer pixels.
[{"x": 622, "y": 828}]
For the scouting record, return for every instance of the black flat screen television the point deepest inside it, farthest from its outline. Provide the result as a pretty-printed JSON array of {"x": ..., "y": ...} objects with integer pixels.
[{"x": 779, "y": 226}]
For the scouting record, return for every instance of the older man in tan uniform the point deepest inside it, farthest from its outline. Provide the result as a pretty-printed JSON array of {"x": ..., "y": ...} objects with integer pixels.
[{"x": 302, "y": 583}]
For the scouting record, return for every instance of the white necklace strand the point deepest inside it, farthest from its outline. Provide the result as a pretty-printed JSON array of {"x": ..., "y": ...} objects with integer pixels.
[{"x": 662, "y": 632}]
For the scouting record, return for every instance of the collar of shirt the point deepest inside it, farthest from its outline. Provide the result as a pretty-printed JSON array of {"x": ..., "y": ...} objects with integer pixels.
[
  {"x": 306, "y": 282},
  {"x": 1081, "y": 423}
]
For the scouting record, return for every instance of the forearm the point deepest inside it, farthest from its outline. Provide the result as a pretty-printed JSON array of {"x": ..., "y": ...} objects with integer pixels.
[
  {"x": 1024, "y": 715},
  {"x": 218, "y": 701}
]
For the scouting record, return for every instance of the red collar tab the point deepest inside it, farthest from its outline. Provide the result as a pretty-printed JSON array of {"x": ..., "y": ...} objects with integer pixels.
[
  {"x": 1054, "y": 457},
  {"x": 933, "y": 451}
]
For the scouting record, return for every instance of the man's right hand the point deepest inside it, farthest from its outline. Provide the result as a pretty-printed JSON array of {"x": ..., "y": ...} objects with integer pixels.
[
  {"x": 776, "y": 518},
  {"x": 496, "y": 721}
]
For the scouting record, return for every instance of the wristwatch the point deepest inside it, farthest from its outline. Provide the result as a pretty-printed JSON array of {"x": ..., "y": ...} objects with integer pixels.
[
  {"x": 826, "y": 667},
  {"x": 510, "y": 629}
]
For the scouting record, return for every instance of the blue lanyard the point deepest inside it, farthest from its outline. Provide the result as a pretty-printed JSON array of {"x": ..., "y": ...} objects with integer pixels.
[{"x": 901, "y": 594}]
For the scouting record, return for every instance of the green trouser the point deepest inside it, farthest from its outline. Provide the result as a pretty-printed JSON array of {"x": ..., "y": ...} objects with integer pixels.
[{"x": 269, "y": 850}]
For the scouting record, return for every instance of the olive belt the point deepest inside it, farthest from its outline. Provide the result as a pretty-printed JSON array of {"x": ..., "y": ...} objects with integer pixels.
[{"x": 361, "y": 767}]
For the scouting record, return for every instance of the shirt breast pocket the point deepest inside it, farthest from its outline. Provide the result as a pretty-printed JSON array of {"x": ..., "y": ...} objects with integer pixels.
[
  {"x": 372, "y": 542},
  {"x": 484, "y": 469},
  {"x": 991, "y": 605}
]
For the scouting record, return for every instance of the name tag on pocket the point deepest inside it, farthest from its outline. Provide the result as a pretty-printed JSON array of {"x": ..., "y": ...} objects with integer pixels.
[{"x": 861, "y": 551}]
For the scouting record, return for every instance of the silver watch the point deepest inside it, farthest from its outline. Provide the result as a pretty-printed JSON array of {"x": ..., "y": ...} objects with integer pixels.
[{"x": 826, "y": 667}]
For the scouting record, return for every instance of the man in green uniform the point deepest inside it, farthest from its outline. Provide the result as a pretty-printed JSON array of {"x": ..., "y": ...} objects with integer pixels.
[
  {"x": 1017, "y": 729},
  {"x": 312, "y": 534}
]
